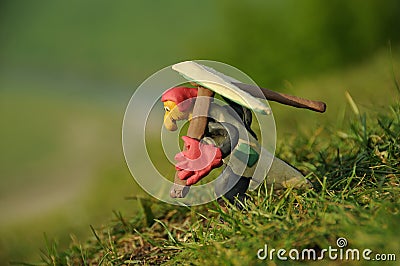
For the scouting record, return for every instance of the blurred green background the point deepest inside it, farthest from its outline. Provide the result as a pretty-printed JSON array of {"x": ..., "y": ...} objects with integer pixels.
[{"x": 68, "y": 69}]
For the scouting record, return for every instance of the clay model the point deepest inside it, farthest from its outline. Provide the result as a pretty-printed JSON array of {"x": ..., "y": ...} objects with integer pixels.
[{"x": 221, "y": 135}]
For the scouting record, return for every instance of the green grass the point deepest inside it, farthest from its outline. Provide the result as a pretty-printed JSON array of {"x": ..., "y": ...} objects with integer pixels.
[{"x": 356, "y": 195}]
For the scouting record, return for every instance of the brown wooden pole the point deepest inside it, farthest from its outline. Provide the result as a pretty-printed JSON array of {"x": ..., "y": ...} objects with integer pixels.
[
  {"x": 196, "y": 130},
  {"x": 282, "y": 98}
]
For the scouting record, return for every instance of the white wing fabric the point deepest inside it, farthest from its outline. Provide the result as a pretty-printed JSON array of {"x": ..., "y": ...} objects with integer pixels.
[{"x": 219, "y": 83}]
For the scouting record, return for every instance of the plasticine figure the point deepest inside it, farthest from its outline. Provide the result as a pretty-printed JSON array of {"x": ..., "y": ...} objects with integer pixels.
[
  {"x": 228, "y": 140},
  {"x": 224, "y": 135}
]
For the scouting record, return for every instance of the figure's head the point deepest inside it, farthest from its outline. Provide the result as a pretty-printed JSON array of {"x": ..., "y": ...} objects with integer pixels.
[{"x": 178, "y": 105}]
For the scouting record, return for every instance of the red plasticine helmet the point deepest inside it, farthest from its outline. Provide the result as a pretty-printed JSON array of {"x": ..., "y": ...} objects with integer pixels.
[{"x": 179, "y": 95}]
